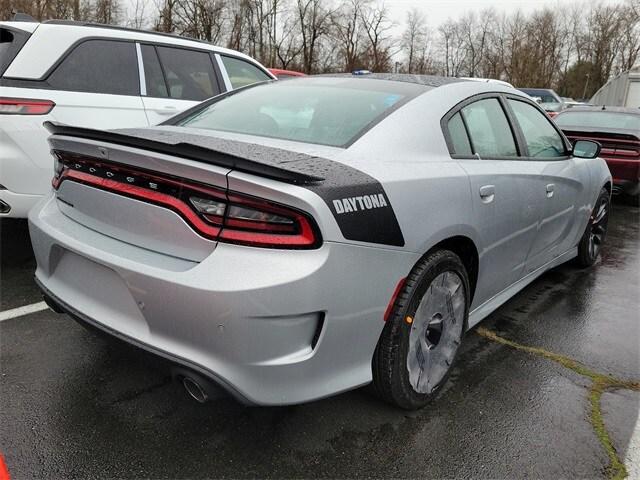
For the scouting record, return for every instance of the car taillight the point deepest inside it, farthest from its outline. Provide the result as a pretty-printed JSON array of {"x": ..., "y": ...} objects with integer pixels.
[
  {"x": 627, "y": 153},
  {"x": 213, "y": 213},
  {"x": 25, "y": 106}
]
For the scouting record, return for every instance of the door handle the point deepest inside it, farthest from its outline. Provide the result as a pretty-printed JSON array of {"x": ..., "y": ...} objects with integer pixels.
[
  {"x": 168, "y": 111},
  {"x": 487, "y": 193},
  {"x": 550, "y": 189}
]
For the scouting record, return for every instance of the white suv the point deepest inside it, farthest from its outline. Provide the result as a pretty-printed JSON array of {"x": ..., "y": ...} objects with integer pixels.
[{"x": 100, "y": 77}]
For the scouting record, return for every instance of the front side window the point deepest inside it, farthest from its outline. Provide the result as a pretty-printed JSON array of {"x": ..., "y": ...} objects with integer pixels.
[
  {"x": 543, "y": 141},
  {"x": 189, "y": 74},
  {"x": 242, "y": 73},
  {"x": 323, "y": 111},
  {"x": 489, "y": 129},
  {"x": 99, "y": 66}
]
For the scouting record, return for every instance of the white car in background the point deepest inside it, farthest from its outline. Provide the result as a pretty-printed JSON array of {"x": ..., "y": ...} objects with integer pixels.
[{"x": 96, "y": 76}]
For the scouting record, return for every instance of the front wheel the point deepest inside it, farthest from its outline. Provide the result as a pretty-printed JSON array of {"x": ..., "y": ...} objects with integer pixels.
[
  {"x": 420, "y": 341},
  {"x": 596, "y": 231}
]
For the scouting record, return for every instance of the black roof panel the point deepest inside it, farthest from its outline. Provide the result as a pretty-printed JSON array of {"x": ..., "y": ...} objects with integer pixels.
[{"x": 426, "y": 80}]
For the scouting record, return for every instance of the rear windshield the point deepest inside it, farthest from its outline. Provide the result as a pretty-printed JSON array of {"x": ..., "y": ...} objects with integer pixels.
[
  {"x": 599, "y": 119},
  {"x": 326, "y": 111},
  {"x": 11, "y": 41}
]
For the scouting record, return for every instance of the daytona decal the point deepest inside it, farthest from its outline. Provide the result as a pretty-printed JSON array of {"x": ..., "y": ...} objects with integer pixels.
[{"x": 353, "y": 204}]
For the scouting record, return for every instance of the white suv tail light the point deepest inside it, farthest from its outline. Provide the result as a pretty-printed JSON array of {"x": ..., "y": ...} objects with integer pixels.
[{"x": 25, "y": 106}]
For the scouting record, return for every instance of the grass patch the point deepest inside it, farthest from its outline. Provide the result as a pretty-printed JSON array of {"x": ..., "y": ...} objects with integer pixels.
[{"x": 616, "y": 469}]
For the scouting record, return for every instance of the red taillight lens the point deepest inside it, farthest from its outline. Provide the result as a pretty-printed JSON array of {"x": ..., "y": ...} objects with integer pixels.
[
  {"x": 212, "y": 212},
  {"x": 25, "y": 106},
  {"x": 252, "y": 221}
]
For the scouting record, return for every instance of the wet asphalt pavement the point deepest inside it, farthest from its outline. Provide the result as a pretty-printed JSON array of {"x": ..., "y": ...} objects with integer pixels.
[{"x": 75, "y": 405}]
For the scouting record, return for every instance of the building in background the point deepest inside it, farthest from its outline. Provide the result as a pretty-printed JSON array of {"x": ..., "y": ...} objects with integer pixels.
[{"x": 620, "y": 91}]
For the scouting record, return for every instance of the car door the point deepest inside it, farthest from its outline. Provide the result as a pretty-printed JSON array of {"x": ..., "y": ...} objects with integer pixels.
[
  {"x": 176, "y": 79},
  {"x": 95, "y": 85},
  {"x": 506, "y": 206},
  {"x": 560, "y": 180}
]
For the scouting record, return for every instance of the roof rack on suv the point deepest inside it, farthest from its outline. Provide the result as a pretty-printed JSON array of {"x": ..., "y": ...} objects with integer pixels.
[
  {"x": 116, "y": 27},
  {"x": 22, "y": 17}
]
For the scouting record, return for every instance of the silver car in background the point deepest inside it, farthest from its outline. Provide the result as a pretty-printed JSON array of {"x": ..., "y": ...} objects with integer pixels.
[{"x": 292, "y": 240}]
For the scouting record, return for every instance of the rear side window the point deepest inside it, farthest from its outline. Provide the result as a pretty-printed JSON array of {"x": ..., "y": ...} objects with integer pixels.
[
  {"x": 489, "y": 129},
  {"x": 11, "y": 41},
  {"x": 242, "y": 73},
  {"x": 153, "y": 77},
  {"x": 99, "y": 66},
  {"x": 543, "y": 141},
  {"x": 189, "y": 74},
  {"x": 459, "y": 138}
]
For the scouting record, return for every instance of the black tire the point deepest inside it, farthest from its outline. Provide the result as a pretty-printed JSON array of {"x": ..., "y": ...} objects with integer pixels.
[
  {"x": 391, "y": 377},
  {"x": 596, "y": 231}
]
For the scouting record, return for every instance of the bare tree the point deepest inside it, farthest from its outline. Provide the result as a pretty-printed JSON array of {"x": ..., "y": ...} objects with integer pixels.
[
  {"x": 414, "y": 40},
  {"x": 347, "y": 33},
  {"x": 452, "y": 47},
  {"x": 377, "y": 26},
  {"x": 137, "y": 18},
  {"x": 315, "y": 21},
  {"x": 559, "y": 48}
]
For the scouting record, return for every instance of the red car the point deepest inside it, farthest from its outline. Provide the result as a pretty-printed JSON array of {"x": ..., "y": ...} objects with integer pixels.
[
  {"x": 283, "y": 74},
  {"x": 618, "y": 131}
]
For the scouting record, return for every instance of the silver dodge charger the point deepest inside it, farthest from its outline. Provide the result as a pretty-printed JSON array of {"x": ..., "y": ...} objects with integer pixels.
[{"x": 291, "y": 240}]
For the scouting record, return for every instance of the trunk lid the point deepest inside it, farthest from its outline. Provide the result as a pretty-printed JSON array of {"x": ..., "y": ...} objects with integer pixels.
[
  {"x": 102, "y": 195},
  {"x": 164, "y": 190}
]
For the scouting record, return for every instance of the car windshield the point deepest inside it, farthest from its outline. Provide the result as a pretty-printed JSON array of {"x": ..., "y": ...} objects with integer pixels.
[
  {"x": 544, "y": 96},
  {"x": 326, "y": 111},
  {"x": 599, "y": 119}
]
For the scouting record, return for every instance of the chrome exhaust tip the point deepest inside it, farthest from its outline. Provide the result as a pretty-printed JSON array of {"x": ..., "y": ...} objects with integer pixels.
[{"x": 195, "y": 390}]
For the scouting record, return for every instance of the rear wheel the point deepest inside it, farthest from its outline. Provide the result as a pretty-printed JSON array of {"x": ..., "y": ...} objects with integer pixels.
[
  {"x": 420, "y": 341},
  {"x": 596, "y": 231}
]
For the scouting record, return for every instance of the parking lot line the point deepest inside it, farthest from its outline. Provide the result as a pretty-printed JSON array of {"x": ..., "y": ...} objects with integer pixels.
[
  {"x": 20, "y": 311},
  {"x": 632, "y": 459}
]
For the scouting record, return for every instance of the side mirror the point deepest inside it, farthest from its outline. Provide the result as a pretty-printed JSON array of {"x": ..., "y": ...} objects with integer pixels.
[{"x": 586, "y": 149}]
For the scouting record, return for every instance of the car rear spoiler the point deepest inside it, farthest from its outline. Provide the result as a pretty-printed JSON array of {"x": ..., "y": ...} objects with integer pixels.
[
  {"x": 193, "y": 152},
  {"x": 613, "y": 133}
]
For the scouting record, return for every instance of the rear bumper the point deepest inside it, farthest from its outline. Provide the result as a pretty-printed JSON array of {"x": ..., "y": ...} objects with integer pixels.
[
  {"x": 273, "y": 327},
  {"x": 58, "y": 306},
  {"x": 16, "y": 205}
]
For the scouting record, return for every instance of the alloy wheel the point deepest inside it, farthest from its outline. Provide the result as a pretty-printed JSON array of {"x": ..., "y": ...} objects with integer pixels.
[{"x": 436, "y": 329}]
